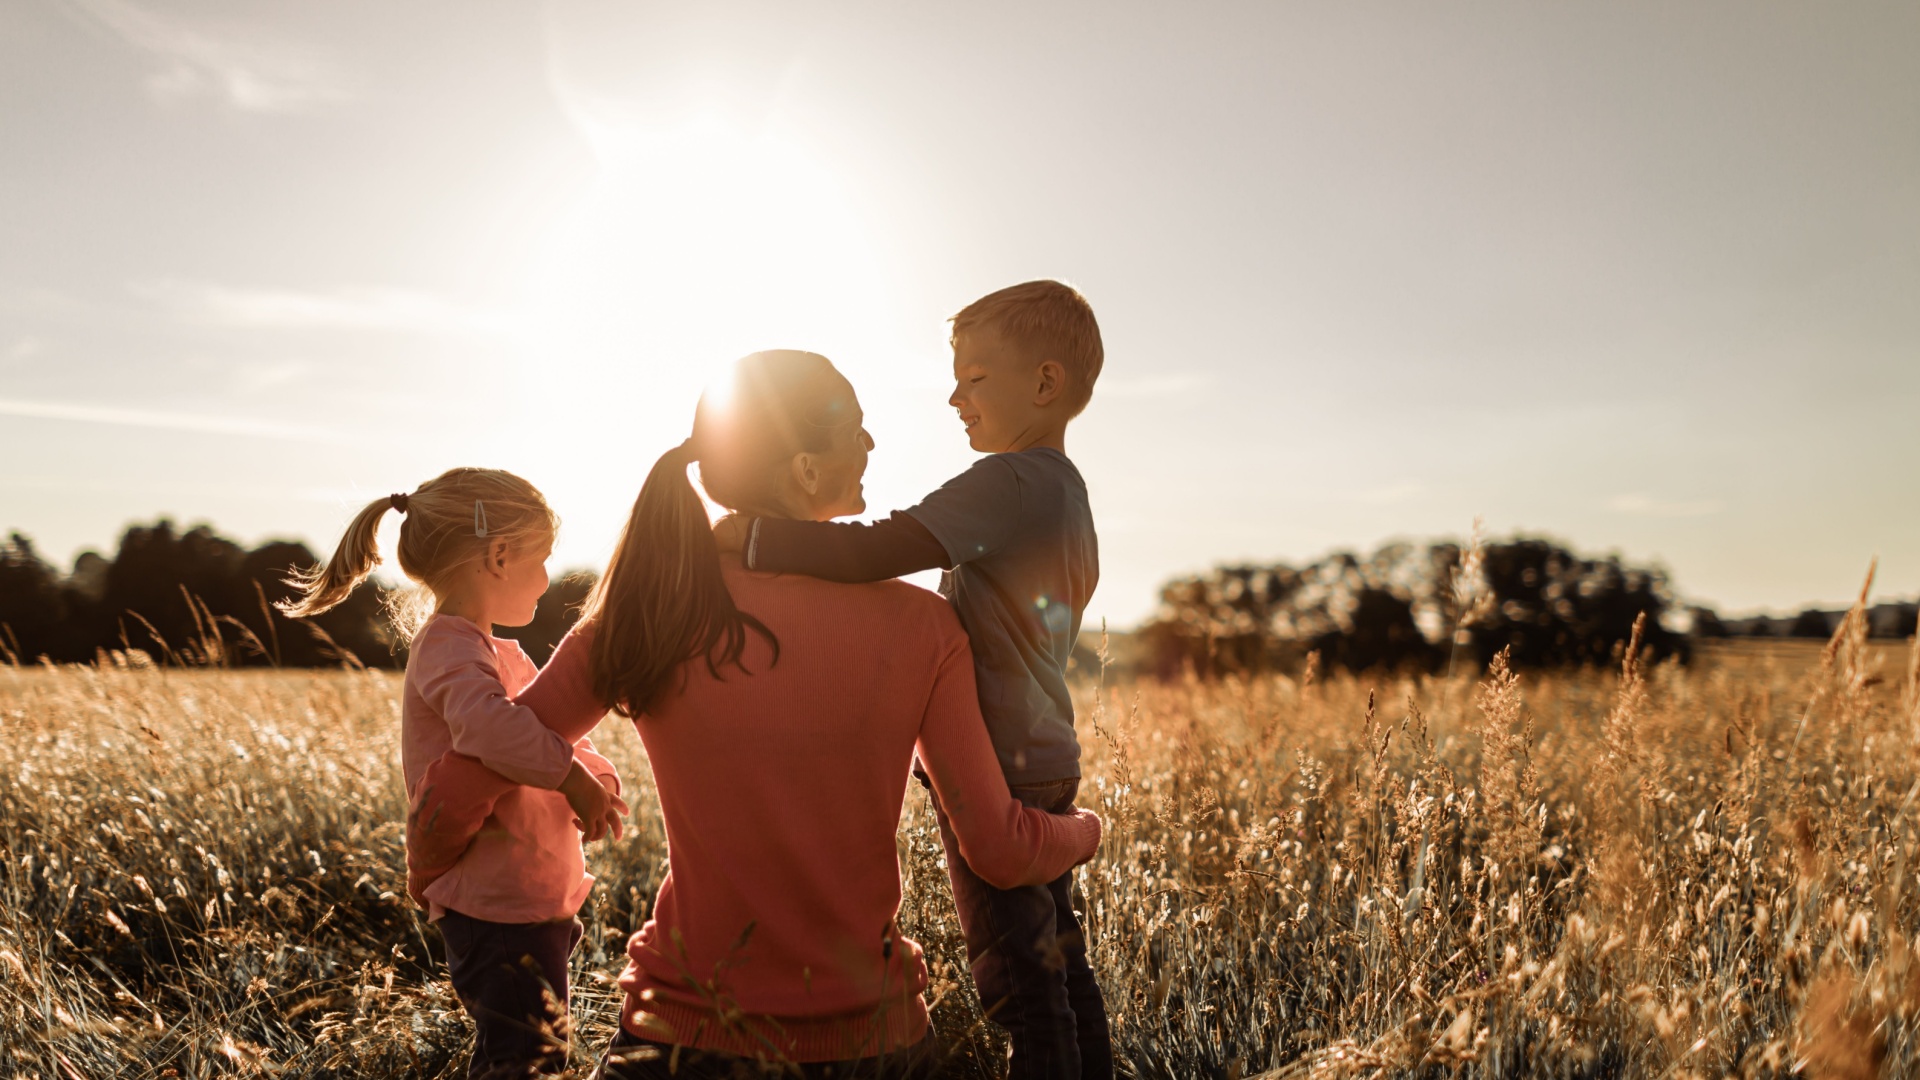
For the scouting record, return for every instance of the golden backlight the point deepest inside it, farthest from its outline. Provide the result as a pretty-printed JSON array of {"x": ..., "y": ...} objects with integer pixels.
[{"x": 692, "y": 245}]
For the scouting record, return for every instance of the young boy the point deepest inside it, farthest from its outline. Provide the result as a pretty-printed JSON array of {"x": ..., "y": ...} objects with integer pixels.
[{"x": 1015, "y": 537}]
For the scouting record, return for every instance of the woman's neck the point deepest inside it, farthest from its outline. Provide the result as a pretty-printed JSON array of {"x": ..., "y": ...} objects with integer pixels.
[{"x": 786, "y": 505}]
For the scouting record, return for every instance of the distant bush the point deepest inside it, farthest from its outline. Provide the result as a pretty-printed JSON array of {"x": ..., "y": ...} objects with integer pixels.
[
  {"x": 1811, "y": 623},
  {"x": 1889, "y": 619},
  {"x": 1407, "y": 606},
  {"x": 199, "y": 598},
  {"x": 1894, "y": 620},
  {"x": 1707, "y": 623}
]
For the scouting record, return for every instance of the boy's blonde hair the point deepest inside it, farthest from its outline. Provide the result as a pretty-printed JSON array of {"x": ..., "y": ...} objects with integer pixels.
[
  {"x": 450, "y": 520},
  {"x": 1045, "y": 320}
]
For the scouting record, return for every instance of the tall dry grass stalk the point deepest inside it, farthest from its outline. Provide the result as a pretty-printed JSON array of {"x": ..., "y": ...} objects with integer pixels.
[{"x": 1644, "y": 872}]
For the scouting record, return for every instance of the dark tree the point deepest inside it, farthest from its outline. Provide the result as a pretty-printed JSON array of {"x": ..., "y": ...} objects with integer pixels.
[
  {"x": 1553, "y": 607},
  {"x": 1898, "y": 621},
  {"x": 358, "y": 627},
  {"x": 157, "y": 585},
  {"x": 1707, "y": 624},
  {"x": 1811, "y": 623},
  {"x": 1397, "y": 609},
  {"x": 1380, "y": 633},
  {"x": 192, "y": 597},
  {"x": 36, "y": 617}
]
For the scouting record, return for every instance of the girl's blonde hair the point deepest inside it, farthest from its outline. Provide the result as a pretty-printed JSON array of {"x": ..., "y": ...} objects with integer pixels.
[{"x": 450, "y": 520}]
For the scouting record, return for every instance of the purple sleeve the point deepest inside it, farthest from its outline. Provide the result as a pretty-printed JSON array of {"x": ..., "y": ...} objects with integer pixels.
[{"x": 845, "y": 552}]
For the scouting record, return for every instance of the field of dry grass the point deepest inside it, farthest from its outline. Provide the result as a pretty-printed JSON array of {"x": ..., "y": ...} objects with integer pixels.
[{"x": 1676, "y": 872}]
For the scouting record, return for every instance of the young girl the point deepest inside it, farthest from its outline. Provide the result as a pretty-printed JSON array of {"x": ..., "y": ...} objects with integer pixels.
[{"x": 506, "y": 896}]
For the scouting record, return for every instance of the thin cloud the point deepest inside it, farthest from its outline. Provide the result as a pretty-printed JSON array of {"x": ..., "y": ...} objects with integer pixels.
[
  {"x": 1642, "y": 506},
  {"x": 166, "y": 421},
  {"x": 247, "y": 73},
  {"x": 348, "y": 309}
]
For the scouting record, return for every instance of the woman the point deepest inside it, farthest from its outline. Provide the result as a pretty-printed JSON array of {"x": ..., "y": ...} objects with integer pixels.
[{"x": 782, "y": 716}]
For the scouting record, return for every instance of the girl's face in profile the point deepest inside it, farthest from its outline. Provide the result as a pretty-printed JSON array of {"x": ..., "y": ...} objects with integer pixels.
[{"x": 523, "y": 581}]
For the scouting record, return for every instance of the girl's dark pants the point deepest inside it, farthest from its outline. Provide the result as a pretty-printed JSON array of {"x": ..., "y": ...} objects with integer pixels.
[
  {"x": 1029, "y": 959},
  {"x": 633, "y": 1058},
  {"x": 512, "y": 978}
]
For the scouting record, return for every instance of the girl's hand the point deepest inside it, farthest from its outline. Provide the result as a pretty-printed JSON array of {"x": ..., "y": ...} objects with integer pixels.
[
  {"x": 591, "y": 802},
  {"x": 613, "y": 823}
]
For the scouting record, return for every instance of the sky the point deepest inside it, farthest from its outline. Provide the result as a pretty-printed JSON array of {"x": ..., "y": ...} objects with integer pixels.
[{"x": 1638, "y": 276}]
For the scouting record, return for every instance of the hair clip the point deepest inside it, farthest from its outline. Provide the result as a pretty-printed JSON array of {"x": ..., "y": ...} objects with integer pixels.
[
  {"x": 479, "y": 519},
  {"x": 398, "y": 502}
]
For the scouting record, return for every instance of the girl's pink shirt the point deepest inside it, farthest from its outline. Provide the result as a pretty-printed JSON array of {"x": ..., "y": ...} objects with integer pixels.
[{"x": 526, "y": 864}]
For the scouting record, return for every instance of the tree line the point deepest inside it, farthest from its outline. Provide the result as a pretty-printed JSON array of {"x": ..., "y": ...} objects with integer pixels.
[
  {"x": 1437, "y": 606},
  {"x": 197, "y": 598}
]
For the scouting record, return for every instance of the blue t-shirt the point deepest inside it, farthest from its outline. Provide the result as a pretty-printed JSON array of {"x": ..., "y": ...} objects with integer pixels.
[{"x": 1019, "y": 532}]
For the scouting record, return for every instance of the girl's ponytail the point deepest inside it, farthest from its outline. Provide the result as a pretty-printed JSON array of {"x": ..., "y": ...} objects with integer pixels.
[
  {"x": 663, "y": 600},
  {"x": 451, "y": 520},
  {"x": 323, "y": 587}
]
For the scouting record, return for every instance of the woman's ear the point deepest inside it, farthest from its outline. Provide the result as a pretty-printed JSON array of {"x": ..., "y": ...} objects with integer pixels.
[
  {"x": 1052, "y": 379},
  {"x": 806, "y": 473}
]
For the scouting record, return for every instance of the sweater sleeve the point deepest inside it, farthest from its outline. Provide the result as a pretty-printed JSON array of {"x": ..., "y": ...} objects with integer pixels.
[
  {"x": 561, "y": 696},
  {"x": 461, "y": 682},
  {"x": 1005, "y": 842},
  {"x": 597, "y": 765},
  {"x": 450, "y": 805},
  {"x": 458, "y": 791},
  {"x": 844, "y": 551}
]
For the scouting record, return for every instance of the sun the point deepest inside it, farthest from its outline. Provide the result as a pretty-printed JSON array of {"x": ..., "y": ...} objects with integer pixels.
[
  {"x": 692, "y": 246},
  {"x": 695, "y": 245}
]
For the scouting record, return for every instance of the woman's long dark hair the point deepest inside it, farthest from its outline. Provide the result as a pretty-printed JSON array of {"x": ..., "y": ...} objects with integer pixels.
[{"x": 663, "y": 600}]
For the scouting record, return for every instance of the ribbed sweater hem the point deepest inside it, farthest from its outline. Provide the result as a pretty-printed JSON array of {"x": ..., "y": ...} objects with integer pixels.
[{"x": 784, "y": 1038}]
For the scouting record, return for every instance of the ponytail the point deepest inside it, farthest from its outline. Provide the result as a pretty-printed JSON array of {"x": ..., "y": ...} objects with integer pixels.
[
  {"x": 450, "y": 520},
  {"x": 663, "y": 600},
  {"x": 324, "y": 587}
]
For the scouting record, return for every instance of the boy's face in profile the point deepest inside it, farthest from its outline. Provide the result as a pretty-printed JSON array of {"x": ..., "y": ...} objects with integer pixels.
[{"x": 1001, "y": 395}]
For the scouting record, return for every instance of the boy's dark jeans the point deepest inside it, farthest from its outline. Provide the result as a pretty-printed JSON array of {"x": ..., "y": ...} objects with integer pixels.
[
  {"x": 1029, "y": 960},
  {"x": 505, "y": 974}
]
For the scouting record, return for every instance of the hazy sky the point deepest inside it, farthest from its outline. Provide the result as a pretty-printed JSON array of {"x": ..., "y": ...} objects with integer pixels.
[{"x": 1641, "y": 276}]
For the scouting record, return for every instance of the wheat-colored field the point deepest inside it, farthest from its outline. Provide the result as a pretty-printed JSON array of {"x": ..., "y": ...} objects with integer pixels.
[{"x": 1696, "y": 871}]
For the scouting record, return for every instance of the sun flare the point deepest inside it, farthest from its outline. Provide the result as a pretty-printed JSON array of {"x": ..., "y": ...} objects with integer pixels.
[
  {"x": 693, "y": 247},
  {"x": 690, "y": 247}
]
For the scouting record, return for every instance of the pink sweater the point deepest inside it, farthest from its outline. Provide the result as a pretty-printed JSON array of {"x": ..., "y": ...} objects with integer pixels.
[
  {"x": 781, "y": 790},
  {"x": 520, "y": 860}
]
